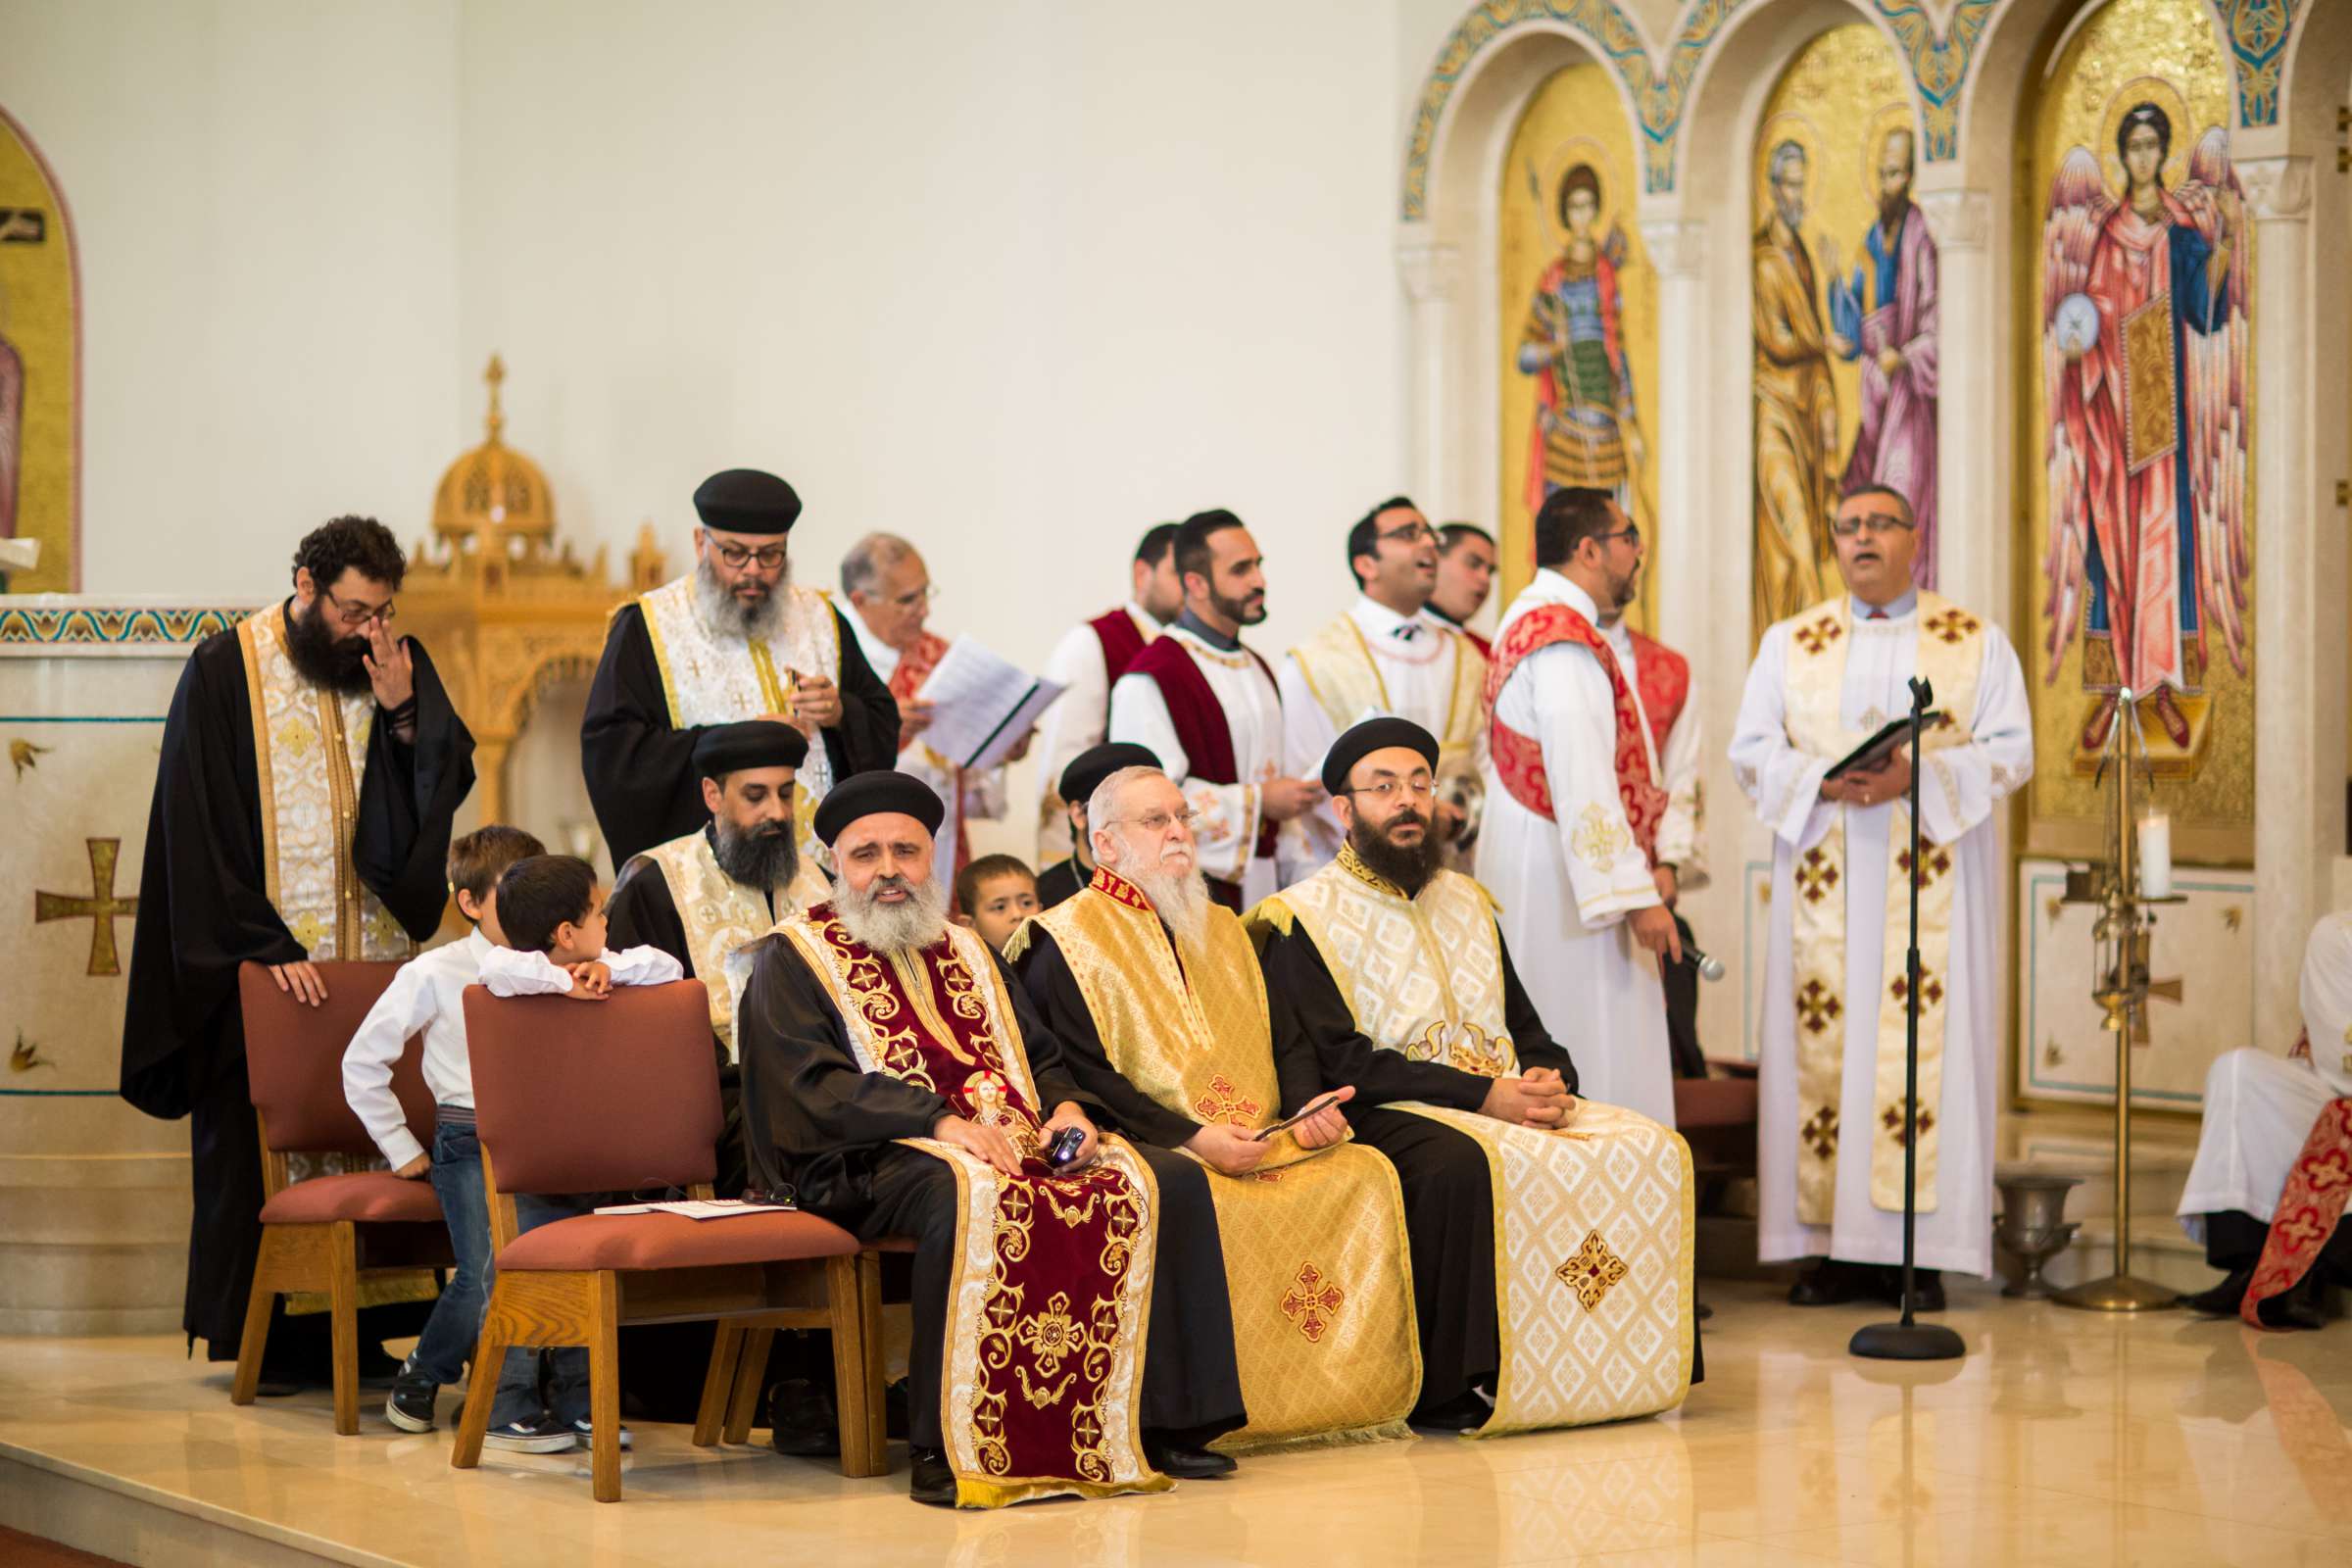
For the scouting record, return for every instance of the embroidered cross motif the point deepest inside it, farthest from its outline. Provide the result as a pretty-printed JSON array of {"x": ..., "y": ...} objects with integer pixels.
[
  {"x": 1814, "y": 636},
  {"x": 1952, "y": 625},
  {"x": 1820, "y": 1132},
  {"x": 694, "y": 666},
  {"x": 1933, "y": 864},
  {"x": 1309, "y": 1306},
  {"x": 1893, "y": 1120},
  {"x": 1224, "y": 1103},
  {"x": 1817, "y": 1006},
  {"x": 1592, "y": 1271},
  {"x": 1816, "y": 875},
  {"x": 1930, "y": 989}
]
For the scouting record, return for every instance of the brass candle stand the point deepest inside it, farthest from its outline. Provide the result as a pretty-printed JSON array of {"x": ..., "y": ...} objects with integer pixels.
[{"x": 2122, "y": 987}]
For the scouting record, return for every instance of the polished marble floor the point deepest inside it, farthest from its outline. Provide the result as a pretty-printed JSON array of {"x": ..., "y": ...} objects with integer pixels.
[{"x": 2061, "y": 1438}]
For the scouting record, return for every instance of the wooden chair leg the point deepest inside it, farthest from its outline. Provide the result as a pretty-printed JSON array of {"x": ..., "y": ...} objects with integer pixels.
[
  {"x": 343, "y": 1295},
  {"x": 481, "y": 1382},
  {"x": 259, "y": 1306},
  {"x": 854, "y": 1302},
  {"x": 751, "y": 1381},
  {"x": 712, "y": 1414},
  {"x": 603, "y": 1386}
]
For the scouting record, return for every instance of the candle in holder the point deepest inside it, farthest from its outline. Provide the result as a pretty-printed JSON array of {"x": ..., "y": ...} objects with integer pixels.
[{"x": 2156, "y": 856}]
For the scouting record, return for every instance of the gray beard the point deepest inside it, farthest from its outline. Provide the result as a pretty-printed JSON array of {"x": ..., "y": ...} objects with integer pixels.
[
  {"x": 920, "y": 922},
  {"x": 1178, "y": 898},
  {"x": 767, "y": 862},
  {"x": 722, "y": 611}
]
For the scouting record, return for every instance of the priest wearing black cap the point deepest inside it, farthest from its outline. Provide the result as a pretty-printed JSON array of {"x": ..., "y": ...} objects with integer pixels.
[
  {"x": 900, "y": 1084},
  {"x": 1388, "y": 972},
  {"x": 1063, "y": 879},
  {"x": 734, "y": 639}
]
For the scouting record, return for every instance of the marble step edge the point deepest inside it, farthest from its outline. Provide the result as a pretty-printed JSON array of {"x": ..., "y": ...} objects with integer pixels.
[
  {"x": 90, "y": 1322},
  {"x": 104, "y": 1171},
  {"x": 87, "y": 1508}
]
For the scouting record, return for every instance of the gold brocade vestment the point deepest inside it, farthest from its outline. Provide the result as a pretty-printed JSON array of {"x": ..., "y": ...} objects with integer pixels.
[
  {"x": 1594, "y": 1225},
  {"x": 1314, "y": 1241},
  {"x": 721, "y": 915}
]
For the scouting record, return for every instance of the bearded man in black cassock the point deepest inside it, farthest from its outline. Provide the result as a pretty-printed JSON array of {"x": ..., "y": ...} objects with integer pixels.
[{"x": 312, "y": 763}]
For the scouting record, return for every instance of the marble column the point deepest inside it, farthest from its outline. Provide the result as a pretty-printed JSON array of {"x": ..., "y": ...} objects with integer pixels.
[
  {"x": 1690, "y": 536},
  {"x": 1432, "y": 276},
  {"x": 1973, "y": 540},
  {"x": 2299, "y": 623}
]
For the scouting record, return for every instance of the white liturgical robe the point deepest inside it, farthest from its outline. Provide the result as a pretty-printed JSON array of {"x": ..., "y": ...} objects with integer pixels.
[
  {"x": 1565, "y": 884},
  {"x": 1226, "y": 817},
  {"x": 1961, "y": 786},
  {"x": 2260, "y": 1105},
  {"x": 1078, "y": 721},
  {"x": 1414, "y": 661},
  {"x": 967, "y": 796}
]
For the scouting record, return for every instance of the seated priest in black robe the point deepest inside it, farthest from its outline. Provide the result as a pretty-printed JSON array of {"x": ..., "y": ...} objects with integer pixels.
[
  {"x": 897, "y": 1081},
  {"x": 311, "y": 767},
  {"x": 1390, "y": 974},
  {"x": 1065, "y": 880},
  {"x": 733, "y": 639}
]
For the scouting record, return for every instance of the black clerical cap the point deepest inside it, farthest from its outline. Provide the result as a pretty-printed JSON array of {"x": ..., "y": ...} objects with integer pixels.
[
  {"x": 874, "y": 794},
  {"x": 722, "y": 749},
  {"x": 1089, "y": 768},
  {"x": 747, "y": 501},
  {"x": 1374, "y": 735}
]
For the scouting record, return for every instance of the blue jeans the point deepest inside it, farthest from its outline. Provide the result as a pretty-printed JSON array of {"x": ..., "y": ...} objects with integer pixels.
[{"x": 452, "y": 1332}]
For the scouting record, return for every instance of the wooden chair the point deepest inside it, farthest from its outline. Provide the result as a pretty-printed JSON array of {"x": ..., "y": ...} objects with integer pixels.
[
  {"x": 610, "y": 1097},
  {"x": 329, "y": 1234}
]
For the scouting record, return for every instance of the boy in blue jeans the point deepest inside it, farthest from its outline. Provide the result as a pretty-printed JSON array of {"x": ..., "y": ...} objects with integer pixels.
[{"x": 427, "y": 995}]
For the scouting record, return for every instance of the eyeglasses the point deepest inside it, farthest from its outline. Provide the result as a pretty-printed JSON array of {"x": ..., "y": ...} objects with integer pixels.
[
  {"x": 738, "y": 557},
  {"x": 1388, "y": 789},
  {"x": 361, "y": 612},
  {"x": 1412, "y": 533},
  {"x": 1875, "y": 523},
  {"x": 1631, "y": 533},
  {"x": 1161, "y": 821},
  {"x": 913, "y": 597}
]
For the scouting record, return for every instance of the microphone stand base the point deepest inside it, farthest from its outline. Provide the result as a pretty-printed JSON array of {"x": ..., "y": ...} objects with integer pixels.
[
  {"x": 2118, "y": 1293},
  {"x": 1906, "y": 1342}
]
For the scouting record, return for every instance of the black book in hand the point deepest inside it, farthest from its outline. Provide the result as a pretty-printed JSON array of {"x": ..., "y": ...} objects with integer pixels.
[{"x": 1873, "y": 752}]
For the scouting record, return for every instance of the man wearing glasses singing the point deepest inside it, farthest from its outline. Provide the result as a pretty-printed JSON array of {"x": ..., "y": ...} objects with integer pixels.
[
  {"x": 1387, "y": 655},
  {"x": 311, "y": 767},
  {"x": 1830, "y": 1132},
  {"x": 732, "y": 640}
]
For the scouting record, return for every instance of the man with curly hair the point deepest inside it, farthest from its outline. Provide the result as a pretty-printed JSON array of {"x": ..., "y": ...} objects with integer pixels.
[{"x": 311, "y": 765}]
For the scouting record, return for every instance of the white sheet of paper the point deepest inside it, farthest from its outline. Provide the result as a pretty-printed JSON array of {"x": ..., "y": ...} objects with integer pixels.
[
  {"x": 697, "y": 1208},
  {"x": 981, "y": 704}
]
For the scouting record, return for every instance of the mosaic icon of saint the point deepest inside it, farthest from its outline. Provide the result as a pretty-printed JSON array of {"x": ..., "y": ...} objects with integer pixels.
[{"x": 1587, "y": 431}]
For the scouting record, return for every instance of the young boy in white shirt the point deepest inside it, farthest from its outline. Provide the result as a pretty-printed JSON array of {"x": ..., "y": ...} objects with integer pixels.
[{"x": 427, "y": 995}]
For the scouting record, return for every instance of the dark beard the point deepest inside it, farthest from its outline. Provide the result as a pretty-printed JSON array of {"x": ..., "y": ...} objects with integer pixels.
[
  {"x": 1891, "y": 210},
  {"x": 1409, "y": 869},
  {"x": 766, "y": 859},
  {"x": 322, "y": 659},
  {"x": 1236, "y": 611}
]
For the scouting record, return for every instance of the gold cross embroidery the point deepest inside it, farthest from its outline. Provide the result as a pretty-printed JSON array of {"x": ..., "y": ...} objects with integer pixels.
[
  {"x": 1224, "y": 1103},
  {"x": 1820, "y": 1132},
  {"x": 102, "y": 908},
  {"x": 1817, "y": 1006},
  {"x": 1893, "y": 1120},
  {"x": 1310, "y": 1305},
  {"x": 1953, "y": 624},
  {"x": 1930, "y": 989},
  {"x": 1933, "y": 864},
  {"x": 1817, "y": 635},
  {"x": 1816, "y": 875},
  {"x": 1592, "y": 1271}
]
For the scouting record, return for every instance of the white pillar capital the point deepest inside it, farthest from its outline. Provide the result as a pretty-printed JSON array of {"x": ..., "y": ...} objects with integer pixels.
[
  {"x": 1676, "y": 246},
  {"x": 1432, "y": 273},
  {"x": 2277, "y": 189},
  {"x": 1960, "y": 220}
]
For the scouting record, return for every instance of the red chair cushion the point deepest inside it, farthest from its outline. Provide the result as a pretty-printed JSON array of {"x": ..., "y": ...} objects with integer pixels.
[
  {"x": 673, "y": 1241},
  {"x": 368, "y": 1194},
  {"x": 1714, "y": 1102}
]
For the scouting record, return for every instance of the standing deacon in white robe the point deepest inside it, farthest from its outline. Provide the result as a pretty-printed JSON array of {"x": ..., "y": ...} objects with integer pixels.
[
  {"x": 1573, "y": 806},
  {"x": 1830, "y": 1140},
  {"x": 1090, "y": 656},
  {"x": 1208, "y": 708},
  {"x": 1386, "y": 658}
]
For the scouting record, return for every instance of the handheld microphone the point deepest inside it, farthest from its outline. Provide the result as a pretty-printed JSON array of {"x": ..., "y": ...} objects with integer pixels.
[{"x": 1710, "y": 968}]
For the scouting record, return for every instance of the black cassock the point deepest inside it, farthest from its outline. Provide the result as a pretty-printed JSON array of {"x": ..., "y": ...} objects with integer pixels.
[
  {"x": 640, "y": 769},
  {"x": 813, "y": 1120},
  {"x": 203, "y": 911},
  {"x": 1062, "y": 882}
]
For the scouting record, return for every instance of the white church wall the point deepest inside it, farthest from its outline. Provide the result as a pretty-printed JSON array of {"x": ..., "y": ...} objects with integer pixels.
[{"x": 264, "y": 199}]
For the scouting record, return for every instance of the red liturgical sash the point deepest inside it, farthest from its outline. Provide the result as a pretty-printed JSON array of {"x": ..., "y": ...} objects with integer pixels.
[
  {"x": 1122, "y": 644},
  {"x": 2308, "y": 1210},
  {"x": 1664, "y": 677},
  {"x": 1052, "y": 1293},
  {"x": 1519, "y": 759}
]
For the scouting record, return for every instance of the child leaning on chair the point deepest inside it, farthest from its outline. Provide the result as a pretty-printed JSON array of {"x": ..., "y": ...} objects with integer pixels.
[{"x": 539, "y": 927}]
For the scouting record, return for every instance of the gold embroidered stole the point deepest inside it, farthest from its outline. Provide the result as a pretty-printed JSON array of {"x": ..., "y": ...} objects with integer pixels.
[
  {"x": 709, "y": 678},
  {"x": 1594, "y": 1224},
  {"x": 310, "y": 754},
  {"x": 1950, "y": 654},
  {"x": 1314, "y": 1241},
  {"x": 1344, "y": 674},
  {"x": 1051, "y": 1297},
  {"x": 721, "y": 916}
]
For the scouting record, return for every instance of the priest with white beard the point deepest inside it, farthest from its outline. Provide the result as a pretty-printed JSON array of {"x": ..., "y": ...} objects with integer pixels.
[
  {"x": 1209, "y": 708},
  {"x": 1574, "y": 804},
  {"x": 1830, "y": 1138}
]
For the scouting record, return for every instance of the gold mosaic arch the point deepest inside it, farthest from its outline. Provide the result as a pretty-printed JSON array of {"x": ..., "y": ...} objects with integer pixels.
[{"x": 40, "y": 368}]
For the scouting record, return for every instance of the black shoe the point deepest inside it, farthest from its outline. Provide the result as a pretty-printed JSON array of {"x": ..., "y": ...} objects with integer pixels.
[
  {"x": 378, "y": 1370},
  {"x": 1704, "y": 1313},
  {"x": 2222, "y": 1300},
  {"x": 1828, "y": 1283},
  {"x": 802, "y": 1422},
  {"x": 411, "y": 1404},
  {"x": 1926, "y": 1288},
  {"x": 931, "y": 1481},
  {"x": 2294, "y": 1309},
  {"x": 1466, "y": 1412},
  {"x": 1186, "y": 1464},
  {"x": 533, "y": 1434}
]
